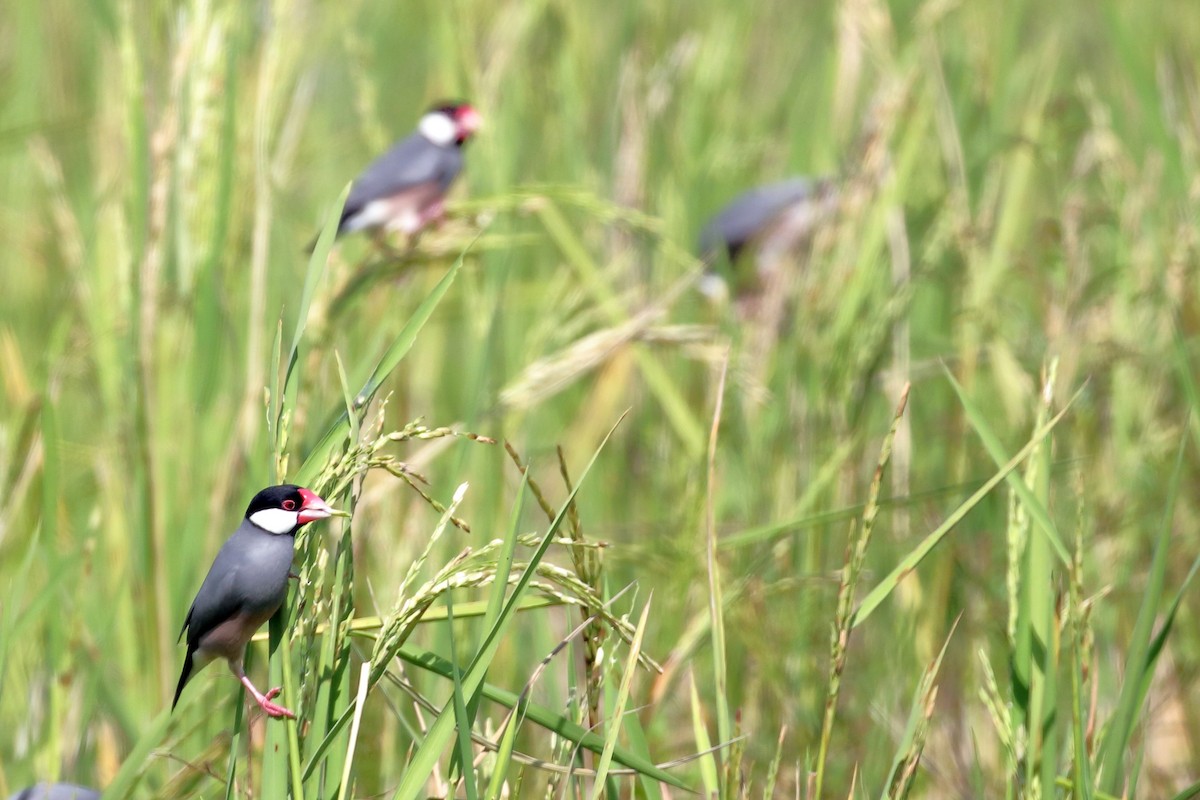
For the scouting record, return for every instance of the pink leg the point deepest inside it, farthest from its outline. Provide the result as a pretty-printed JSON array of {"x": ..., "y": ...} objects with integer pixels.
[
  {"x": 264, "y": 700},
  {"x": 434, "y": 214}
]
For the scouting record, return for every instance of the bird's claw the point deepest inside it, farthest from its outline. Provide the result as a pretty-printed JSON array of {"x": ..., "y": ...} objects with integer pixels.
[{"x": 274, "y": 710}]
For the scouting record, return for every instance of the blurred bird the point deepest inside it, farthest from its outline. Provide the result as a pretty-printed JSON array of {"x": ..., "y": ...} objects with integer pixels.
[
  {"x": 247, "y": 584},
  {"x": 782, "y": 214},
  {"x": 56, "y": 791},
  {"x": 405, "y": 188}
]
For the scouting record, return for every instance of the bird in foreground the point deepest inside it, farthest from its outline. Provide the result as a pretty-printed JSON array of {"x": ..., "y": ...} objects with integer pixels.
[
  {"x": 790, "y": 209},
  {"x": 246, "y": 585},
  {"x": 405, "y": 188},
  {"x": 56, "y": 791}
]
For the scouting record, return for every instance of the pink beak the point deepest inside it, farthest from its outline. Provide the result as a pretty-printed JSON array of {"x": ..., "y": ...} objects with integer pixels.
[
  {"x": 468, "y": 120},
  {"x": 314, "y": 508}
]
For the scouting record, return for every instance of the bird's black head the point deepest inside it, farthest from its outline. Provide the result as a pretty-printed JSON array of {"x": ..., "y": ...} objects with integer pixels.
[
  {"x": 450, "y": 122},
  {"x": 283, "y": 509}
]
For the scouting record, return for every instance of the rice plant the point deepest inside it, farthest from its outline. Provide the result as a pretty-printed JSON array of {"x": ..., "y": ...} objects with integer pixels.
[{"x": 924, "y": 530}]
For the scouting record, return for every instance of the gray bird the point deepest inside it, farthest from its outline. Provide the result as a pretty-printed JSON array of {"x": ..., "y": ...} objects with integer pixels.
[
  {"x": 246, "y": 585},
  {"x": 56, "y": 791},
  {"x": 796, "y": 203},
  {"x": 405, "y": 188}
]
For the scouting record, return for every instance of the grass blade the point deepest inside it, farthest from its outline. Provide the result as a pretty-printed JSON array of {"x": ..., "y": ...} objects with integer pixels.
[
  {"x": 908, "y": 754},
  {"x": 391, "y": 358},
  {"x": 713, "y": 568},
  {"x": 312, "y": 277},
  {"x": 610, "y": 742},
  {"x": 504, "y": 562},
  {"x": 363, "y": 674},
  {"x": 462, "y": 721},
  {"x": 133, "y": 768},
  {"x": 856, "y": 553},
  {"x": 413, "y": 781},
  {"x": 540, "y": 715},
  {"x": 677, "y": 410},
  {"x": 1139, "y": 663},
  {"x": 995, "y": 449},
  {"x": 495, "y": 788},
  {"x": 917, "y": 555},
  {"x": 708, "y": 761}
]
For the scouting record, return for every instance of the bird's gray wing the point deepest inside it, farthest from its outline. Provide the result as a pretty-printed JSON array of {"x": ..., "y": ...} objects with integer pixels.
[
  {"x": 248, "y": 576},
  {"x": 411, "y": 162},
  {"x": 750, "y": 212},
  {"x": 218, "y": 598},
  {"x": 216, "y": 602}
]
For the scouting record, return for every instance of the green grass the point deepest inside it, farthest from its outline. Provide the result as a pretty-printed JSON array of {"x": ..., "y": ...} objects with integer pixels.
[{"x": 987, "y": 594}]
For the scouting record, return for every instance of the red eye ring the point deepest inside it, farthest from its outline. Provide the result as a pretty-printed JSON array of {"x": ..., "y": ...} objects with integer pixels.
[{"x": 289, "y": 505}]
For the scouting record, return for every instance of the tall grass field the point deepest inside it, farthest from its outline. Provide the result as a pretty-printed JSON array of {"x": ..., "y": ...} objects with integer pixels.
[{"x": 929, "y": 530}]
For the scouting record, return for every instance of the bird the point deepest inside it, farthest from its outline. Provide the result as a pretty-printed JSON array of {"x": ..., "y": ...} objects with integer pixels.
[
  {"x": 246, "y": 585},
  {"x": 791, "y": 208},
  {"x": 405, "y": 188},
  {"x": 56, "y": 791}
]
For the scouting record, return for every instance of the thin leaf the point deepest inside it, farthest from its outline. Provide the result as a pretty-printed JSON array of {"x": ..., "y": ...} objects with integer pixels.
[
  {"x": 1188, "y": 793},
  {"x": 463, "y": 723},
  {"x": 234, "y": 746},
  {"x": 912, "y": 742},
  {"x": 363, "y": 674},
  {"x": 634, "y": 733},
  {"x": 504, "y": 753},
  {"x": 610, "y": 741},
  {"x": 312, "y": 277},
  {"x": 540, "y": 715},
  {"x": 1138, "y": 664},
  {"x": 477, "y": 608},
  {"x": 677, "y": 410},
  {"x": 713, "y": 568},
  {"x": 708, "y": 762},
  {"x": 910, "y": 562},
  {"x": 133, "y": 768},
  {"x": 504, "y": 562},
  {"x": 991, "y": 443},
  {"x": 413, "y": 781},
  {"x": 395, "y": 353},
  {"x": 773, "y": 769}
]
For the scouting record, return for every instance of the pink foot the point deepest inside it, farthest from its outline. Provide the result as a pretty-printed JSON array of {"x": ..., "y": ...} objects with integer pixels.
[{"x": 273, "y": 709}]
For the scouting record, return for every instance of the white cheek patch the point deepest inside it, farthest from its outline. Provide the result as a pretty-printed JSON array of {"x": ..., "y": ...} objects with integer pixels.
[
  {"x": 438, "y": 128},
  {"x": 275, "y": 520}
]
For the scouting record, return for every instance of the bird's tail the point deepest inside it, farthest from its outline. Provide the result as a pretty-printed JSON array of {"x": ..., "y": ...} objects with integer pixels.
[{"x": 184, "y": 676}]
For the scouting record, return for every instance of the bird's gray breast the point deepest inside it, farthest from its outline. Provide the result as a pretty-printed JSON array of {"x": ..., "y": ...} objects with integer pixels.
[
  {"x": 451, "y": 162},
  {"x": 248, "y": 578}
]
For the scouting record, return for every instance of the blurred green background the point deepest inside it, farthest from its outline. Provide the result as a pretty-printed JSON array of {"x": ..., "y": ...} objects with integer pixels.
[{"x": 1029, "y": 207}]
